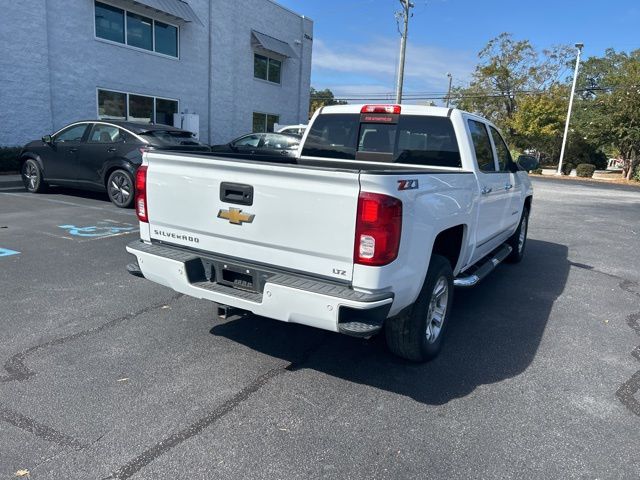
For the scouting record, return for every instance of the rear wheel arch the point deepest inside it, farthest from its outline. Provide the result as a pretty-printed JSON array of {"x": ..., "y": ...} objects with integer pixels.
[
  {"x": 120, "y": 165},
  {"x": 448, "y": 244}
]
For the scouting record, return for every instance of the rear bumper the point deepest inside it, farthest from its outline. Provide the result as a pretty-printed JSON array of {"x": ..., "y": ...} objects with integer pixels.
[{"x": 284, "y": 296}]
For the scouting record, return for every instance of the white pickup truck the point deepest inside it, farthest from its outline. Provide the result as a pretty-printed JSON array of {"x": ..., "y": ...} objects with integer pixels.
[{"x": 385, "y": 209}]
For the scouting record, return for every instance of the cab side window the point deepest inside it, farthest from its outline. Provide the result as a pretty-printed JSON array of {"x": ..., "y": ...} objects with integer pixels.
[
  {"x": 504, "y": 156},
  {"x": 482, "y": 146}
]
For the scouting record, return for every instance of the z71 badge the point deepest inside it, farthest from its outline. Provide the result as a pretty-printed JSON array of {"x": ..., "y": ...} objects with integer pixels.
[{"x": 408, "y": 184}]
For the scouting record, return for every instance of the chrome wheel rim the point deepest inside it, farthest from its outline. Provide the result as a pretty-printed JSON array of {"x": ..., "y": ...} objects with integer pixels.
[
  {"x": 120, "y": 188},
  {"x": 523, "y": 233},
  {"x": 30, "y": 174},
  {"x": 437, "y": 309}
]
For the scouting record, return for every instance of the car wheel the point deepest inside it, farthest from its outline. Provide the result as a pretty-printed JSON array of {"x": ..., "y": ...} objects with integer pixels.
[
  {"x": 120, "y": 188},
  {"x": 417, "y": 333},
  {"x": 32, "y": 177},
  {"x": 518, "y": 241}
]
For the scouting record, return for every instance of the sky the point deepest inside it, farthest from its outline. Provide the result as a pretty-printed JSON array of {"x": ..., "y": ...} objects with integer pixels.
[{"x": 356, "y": 42}]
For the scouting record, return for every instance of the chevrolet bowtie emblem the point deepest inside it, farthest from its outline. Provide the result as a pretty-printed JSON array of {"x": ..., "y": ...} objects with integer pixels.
[{"x": 236, "y": 216}]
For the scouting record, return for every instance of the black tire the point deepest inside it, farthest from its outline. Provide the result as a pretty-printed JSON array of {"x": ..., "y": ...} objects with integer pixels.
[
  {"x": 407, "y": 334},
  {"x": 121, "y": 188},
  {"x": 32, "y": 177},
  {"x": 517, "y": 243}
]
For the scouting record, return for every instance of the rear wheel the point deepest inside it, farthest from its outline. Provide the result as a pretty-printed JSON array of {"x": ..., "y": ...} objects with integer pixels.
[
  {"x": 518, "y": 241},
  {"x": 417, "y": 333},
  {"x": 32, "y": 177},
  {"x": 120, "y": 188}
]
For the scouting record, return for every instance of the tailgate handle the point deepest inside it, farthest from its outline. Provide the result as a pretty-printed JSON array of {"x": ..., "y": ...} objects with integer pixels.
[{"x": 237, "y": 193}]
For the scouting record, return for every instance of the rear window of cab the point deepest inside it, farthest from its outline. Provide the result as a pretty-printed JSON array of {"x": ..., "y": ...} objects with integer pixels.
[{"x": 410, "y": 139}]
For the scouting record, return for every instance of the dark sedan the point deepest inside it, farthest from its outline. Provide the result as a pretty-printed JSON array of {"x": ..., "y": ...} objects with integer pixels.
[
  {"x": 260, "y": 146},
  {"x": 98, "y": 155}
]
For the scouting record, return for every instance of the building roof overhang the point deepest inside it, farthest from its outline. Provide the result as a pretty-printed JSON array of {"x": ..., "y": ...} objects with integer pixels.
[{"x": 262, "y": 41}]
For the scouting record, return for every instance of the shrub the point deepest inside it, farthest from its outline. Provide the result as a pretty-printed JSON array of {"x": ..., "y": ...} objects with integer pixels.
[
  {"x": 567, "y": 167},
  {"x": 9, "y": 159},
  {"x": 537, "y": 171},
  {"x": 636, "y": 176},
  {"x": 585, "y": 170}
]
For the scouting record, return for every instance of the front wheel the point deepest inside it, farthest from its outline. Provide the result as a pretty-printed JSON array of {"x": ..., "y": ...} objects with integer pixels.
[
  {"x": 518, "y": 241},
  {"x": 120, "y": 188},
  {"x": 417, "y": 333},
  {"x": 32, "y": 177}
]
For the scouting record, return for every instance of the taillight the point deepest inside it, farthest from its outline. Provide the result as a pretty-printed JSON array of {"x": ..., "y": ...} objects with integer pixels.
[
  {"x": 141, "y": 194},
  {"x": 378, "y": 229},
  {"x": 395, "y": 109}
]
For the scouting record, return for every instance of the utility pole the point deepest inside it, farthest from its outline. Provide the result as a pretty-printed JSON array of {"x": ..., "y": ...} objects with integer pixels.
[
  {"x": 579, "y": 46},
  {"x": 449, "y": 90},
  {"x": 404, "y": 17}
]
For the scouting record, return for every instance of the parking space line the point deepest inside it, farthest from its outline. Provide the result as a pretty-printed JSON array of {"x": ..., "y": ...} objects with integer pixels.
[{"x": 64, "y": 202}]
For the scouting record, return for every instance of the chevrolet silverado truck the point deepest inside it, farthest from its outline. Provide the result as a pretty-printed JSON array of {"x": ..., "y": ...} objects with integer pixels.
[{"x": 384, "y": 210}]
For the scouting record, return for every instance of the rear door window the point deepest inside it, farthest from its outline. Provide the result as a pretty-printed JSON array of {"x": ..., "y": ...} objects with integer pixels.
[
  {"x": 411, "y": 139},
  {"x": 104, "y": 134},
  {"x": 482, "y": 146},
  {"x": 504, "y": 156}
]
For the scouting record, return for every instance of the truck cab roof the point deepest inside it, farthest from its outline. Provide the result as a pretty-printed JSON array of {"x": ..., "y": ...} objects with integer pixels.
[{"x": 407, "y": 109}]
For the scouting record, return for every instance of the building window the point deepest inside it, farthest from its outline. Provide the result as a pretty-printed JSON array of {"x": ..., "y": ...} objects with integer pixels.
[
  {"x": 136, "y": 108},
  {"x": 112, "y": 105},
  {"x": 165, "y": 110},
  {"x": 264, "y": 122},
  {"x": 140, "y": 32},
  {"x": 140, "y": 109},
  {"x": 166, "y": 39},
  {"x": 266, "y": 68},
  {"x": 109, "y": 22}
]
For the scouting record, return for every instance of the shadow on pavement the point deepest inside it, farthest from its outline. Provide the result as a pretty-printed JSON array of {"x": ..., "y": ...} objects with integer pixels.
[
  {"x": 75, "y": 192},
  {"x": 494, "y": 334}
]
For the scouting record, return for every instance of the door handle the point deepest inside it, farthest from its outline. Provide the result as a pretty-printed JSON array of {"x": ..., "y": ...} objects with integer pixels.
[
  {"x": 486, "y": 190},
  {"x": 508, "y": 186},
  {"x": 73, "y": 150},
  {"x": 111, "y": 149}
]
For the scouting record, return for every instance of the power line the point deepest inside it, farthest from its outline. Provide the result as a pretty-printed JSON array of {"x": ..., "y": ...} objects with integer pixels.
[{"x": 454, "y": 96}]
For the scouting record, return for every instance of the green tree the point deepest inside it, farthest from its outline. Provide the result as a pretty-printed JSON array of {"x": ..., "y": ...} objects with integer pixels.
[
  {"x": 322, "y": 98},
  {"x": 538, "y": 122},
  {"x": 508, "y": 69},
  {"x": 608, "y": 112}
]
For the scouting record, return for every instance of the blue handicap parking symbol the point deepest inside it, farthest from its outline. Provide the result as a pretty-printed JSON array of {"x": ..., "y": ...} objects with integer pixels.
[
  {"x": 103, "y": 229},
  {"x": 5, "y": 252}
]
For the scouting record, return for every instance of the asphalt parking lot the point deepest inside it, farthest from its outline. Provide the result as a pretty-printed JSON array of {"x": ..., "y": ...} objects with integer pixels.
[{"x": 104, "y": 375}]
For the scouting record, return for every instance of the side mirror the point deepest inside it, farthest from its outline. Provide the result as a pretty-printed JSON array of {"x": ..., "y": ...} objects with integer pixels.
[
  {"x": 47, "y": 139},
  {"x": 527, "y": 162}
]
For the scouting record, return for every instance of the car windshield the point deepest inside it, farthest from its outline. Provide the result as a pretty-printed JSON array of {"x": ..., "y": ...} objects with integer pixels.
[{"x": 169, "y": 138}]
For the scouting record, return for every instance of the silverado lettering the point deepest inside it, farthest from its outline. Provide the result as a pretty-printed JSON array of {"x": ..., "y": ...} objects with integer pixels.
[{"x": 176, "y": 236}]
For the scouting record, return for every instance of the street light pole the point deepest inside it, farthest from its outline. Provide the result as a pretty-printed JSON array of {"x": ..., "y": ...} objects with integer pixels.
[
  {"x": 579, "y": 46},
  {"x": 449, "y": 90},
  {"x": 404, "y": 16}
]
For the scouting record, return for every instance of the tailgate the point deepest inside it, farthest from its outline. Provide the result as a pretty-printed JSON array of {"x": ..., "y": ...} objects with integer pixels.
[{"x": 287, "y": 216}]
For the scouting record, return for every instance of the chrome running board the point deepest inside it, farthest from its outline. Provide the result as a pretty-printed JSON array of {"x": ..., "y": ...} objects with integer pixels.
[{"x": 484, "y": 268}]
